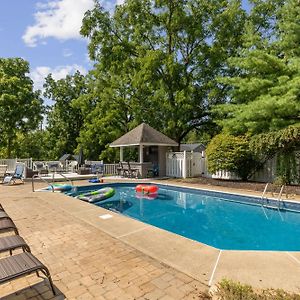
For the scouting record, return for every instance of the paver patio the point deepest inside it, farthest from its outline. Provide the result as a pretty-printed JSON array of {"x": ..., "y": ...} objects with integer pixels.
[{"x": 85, "y": 262}]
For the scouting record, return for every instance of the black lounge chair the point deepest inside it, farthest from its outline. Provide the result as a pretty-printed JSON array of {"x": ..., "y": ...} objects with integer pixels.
[
  {"x": 7, "y": 225},
  {"x": 12, "y": 242},
  {"x": 19, "y": 265},
  {"x": 4, "y": 215}
]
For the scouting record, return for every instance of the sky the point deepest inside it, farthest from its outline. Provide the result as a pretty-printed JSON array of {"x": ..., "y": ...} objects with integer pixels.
[{"x": 46, "y": 33}]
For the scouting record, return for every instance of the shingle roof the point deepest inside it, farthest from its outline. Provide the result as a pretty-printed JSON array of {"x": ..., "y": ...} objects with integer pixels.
[
  {"x": 143, "y": 135},
  {"x": 196, "y": 147}
]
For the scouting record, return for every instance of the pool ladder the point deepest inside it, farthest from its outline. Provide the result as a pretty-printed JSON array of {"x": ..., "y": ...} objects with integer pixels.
[
  {"x": 279, "y": 199},
  {"x": 51, "y": 184}
]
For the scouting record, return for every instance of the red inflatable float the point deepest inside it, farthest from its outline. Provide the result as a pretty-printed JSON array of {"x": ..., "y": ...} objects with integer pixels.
[{"x": 146, "y": 189}]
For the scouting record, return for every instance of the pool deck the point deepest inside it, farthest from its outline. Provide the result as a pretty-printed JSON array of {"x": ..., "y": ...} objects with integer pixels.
[{"x": 93, "y": 253}]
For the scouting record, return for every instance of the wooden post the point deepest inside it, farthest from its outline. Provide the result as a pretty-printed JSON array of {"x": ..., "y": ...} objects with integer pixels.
[
  {"x": 141, "y": 154},
  {"x": 121, "y": 154}
]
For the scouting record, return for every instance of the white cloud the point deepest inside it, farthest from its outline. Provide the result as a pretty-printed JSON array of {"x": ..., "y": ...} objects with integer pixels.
[
  {"x": 67, "y": 52},
  {"x": 59, "y": 19},
  {"x": 39, "y": 73},
  {"x": 120, "y": 2}
]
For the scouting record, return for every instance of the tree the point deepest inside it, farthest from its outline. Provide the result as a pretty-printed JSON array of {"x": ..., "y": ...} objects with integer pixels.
[
  {"x": 20, "y": 107},
  {"x": 157, "y": 62},
  {"x": 266, "y": 95},
  {"x": 64, "y": 119},
  {"x": 264, "y": 102}
]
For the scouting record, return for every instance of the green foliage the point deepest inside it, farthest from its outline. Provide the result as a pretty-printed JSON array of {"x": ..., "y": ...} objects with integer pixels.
[
  {"x": 157, "y": 62},
  {"x": 230, "y": 153},
  {"x": 34, "y": 144},
  {"x": 230, "y": 290},
  {"x": 20, "y": 107},
  {"x": 64, "y": 118},
  {"x": 265, "y": 95},
  {"x": 267, "y": 144},
  {"x": 282, "y": 143}
]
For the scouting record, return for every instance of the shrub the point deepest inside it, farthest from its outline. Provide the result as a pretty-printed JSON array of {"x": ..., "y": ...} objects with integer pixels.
[
  {"x": 230, "y": 153},
  {"x": 229, "y": 290}
]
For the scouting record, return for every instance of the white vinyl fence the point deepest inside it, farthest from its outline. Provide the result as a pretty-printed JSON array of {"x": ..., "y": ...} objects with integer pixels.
[
  {"x": 185, "y": 164},
  {"x": 189, "y": 164}
]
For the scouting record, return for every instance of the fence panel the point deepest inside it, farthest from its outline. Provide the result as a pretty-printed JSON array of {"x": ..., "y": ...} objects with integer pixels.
[
  {"x": 11, "y": 164},
  {"x": 110, "y": 169},
  {"x": 174, "y": 164},
  {"x": 26, "y": 161}
]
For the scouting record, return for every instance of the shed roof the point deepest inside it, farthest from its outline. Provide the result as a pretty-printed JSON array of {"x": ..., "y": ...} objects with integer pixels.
[
  {"x": 143, "y": 135},
  {"x": 196, "y": 147}
]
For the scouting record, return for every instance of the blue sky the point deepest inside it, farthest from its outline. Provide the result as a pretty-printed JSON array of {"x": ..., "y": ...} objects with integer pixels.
[{"x": 46, "y": 33}]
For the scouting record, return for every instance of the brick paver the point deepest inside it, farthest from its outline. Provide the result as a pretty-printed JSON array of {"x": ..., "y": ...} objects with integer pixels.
[{"x": 85, "y": 263}]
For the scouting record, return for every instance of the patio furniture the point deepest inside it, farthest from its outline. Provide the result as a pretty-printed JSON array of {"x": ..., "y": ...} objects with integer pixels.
[
  {"x": 18, "y": 175},
  {"x": 84, "y": 171},
  {"x": 55, "y": 166},
  {"x": 3, "y": 171},
  {"x": 72, "y": 166},
  {"x": 121, "y": 171},
  {"x": 40, "y": 167},
  {"x": 4, "y": 215},
  {"x": 97, "y": 168},
  {"x": 12, "y": 242},
  {"x": 20, "y": 265},
  {"x": 132, "y": 172},
  {"x": 7, "y": 225}
]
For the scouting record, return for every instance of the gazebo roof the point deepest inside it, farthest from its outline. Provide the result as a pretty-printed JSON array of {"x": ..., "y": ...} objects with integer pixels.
[{"x": 143, "y": 135}]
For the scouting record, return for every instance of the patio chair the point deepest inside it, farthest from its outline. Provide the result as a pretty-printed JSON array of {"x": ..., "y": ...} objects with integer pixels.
[
  {"x": 54, "y": 166},
  {"x": 18, "y": 174},
  {"x": 97, "y": 169},
  {"x": 72, "y": 166},
  {"x": 12, "y": 242},
  {"x": 3, "y": 172},
  {"x": 40, "y": 167},
  {"x": 121, "y": 171},
  {"x": 132, "y": 172},
  {"x": 7, "y": 225},
  {"x": 4, "y": 215},
  {"x": 20, "y": 265}
]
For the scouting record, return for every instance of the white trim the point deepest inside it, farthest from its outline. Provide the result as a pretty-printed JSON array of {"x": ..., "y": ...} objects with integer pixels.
[{"x": 214, "y": 270}]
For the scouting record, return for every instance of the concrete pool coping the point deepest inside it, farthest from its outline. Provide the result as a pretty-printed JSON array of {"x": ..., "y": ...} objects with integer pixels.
[{"x": 202, "y": 262}]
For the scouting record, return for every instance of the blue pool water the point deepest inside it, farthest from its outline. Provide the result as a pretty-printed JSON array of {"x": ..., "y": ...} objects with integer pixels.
[{"x": 220, "y": 220}]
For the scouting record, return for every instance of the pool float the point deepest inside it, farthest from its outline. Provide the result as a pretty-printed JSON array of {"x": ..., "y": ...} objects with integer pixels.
[
  {"x": 95, "y": 180},
  {"x": 97, "y": 195},
  {"x": 57, "y": 187},
  {"x": 146, "y": 189},
  {"x": 146, "y": 196}
]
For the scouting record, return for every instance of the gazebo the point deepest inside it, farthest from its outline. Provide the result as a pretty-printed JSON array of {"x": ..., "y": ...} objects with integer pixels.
[{"x": 153, "y": 146}]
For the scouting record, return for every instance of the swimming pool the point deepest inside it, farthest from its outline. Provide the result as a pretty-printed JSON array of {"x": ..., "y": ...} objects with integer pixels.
[{"x": 221, "y": 220}]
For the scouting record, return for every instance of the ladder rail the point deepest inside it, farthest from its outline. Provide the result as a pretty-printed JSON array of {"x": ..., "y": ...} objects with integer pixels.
[
  {"x": 265, "y": 191},
  {"x": 262, "y": 198},
  {"x": 47, "y": 182},
  {"x": 43, "y": 179}
]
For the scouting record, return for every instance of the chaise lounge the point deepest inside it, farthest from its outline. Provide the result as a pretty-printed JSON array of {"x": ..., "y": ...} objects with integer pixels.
[
  {"x": 13, "y": 242},
  {"x": 7, "y": 225},
  {"x": 15, "y": 266}
]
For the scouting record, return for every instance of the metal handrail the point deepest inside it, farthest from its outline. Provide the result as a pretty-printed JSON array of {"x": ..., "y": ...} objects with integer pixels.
[
  {"x": 49, "y": 183},
  {"x": 67, "y": 179},
  {"x": 280, "y": 195},
  {"x": 264, "y": 192},
  {"x": 40, "y": 177}
]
